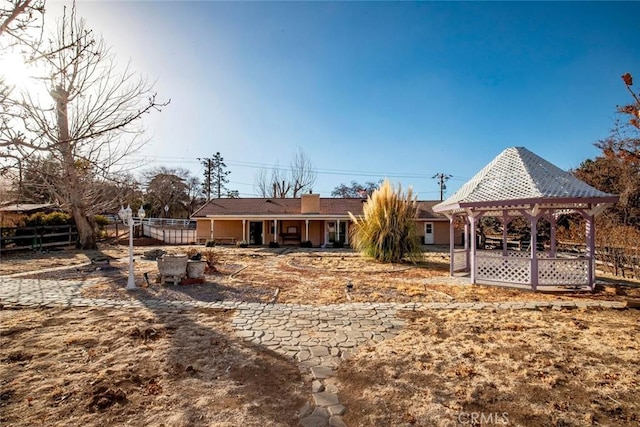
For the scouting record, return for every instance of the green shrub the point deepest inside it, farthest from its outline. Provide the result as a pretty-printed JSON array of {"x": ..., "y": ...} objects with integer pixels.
[
  {"x": 338, "y": 244},
  {"x": 101, "y": 220},
  {"x": 242, "y": 244},
  {"x": 306, "y": 244},
  {"x": 274, "y": 245},
  {"x": 53, "y": 218},
  {"x": 210, "y": 244},
  {"x": 387, "y": 230}
]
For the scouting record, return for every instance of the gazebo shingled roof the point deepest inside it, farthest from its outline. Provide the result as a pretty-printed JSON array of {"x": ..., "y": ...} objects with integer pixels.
[
  {"x": 518, "y": 176},
  {"x": 520, "y": 183}
]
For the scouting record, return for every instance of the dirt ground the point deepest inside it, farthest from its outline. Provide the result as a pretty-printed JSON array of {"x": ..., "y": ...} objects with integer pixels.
[
  {"x": 520, "y": 368},
  {"x": 296, "y": 275},
  {"x": 99, "y": 367},
  {"x": 114, "y": 367}
]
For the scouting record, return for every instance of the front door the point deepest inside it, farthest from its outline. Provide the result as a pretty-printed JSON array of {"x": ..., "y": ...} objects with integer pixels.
[
  {"x": 428, "y": 233},
  {"x": 255, "y": 233},
  {"x": 335, "y": 233}
]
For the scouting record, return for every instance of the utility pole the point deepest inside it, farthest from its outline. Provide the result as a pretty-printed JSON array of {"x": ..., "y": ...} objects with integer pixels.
[{"x": 442, "y": 181}]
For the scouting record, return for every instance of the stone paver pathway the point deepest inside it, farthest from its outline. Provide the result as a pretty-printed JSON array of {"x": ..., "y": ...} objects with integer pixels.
[{"x": 317, "y": 337}]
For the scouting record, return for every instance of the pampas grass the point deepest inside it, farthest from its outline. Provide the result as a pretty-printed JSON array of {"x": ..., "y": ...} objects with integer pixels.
[{"x": 387, "y": 229}]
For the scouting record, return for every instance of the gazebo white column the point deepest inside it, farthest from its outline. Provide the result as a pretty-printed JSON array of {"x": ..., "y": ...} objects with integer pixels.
[
  {"x": 466, "y": 246},
  {"x": 553, "y": 223},
  {"x": 534, "y": 216},
  {"x": 505, "y": 225},
  {"x": 590, "y": 248},
  {"x": 452, "y": 248},
  {"x": 473, "y": 218}
]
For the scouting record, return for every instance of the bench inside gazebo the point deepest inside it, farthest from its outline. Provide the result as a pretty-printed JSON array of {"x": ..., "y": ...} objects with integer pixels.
[{"x": 518, "y": 183}]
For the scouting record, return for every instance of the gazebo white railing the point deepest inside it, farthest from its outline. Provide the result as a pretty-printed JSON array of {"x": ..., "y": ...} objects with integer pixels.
[{"x": 519, "y": 183}]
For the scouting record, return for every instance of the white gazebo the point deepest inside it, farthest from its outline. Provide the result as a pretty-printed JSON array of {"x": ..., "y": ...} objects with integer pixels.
[{"x": 518, "y": 183}]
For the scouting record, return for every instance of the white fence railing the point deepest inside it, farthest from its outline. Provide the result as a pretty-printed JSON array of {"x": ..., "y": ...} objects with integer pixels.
[
  {"x": 173, "y": 222},
  {"x": 459, "y": 260},
  {"x": 563, "y": 271},
  {"x": 503, "y": 269},
  {"x": 174, "y": 236},
  {"x": 516, "y": 268}
]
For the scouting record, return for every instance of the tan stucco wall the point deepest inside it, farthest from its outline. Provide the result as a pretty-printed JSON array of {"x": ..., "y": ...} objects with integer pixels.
[
  {"x": 233, "y": 228},
  {"x": 203, "y": 229},
  {"x": 283, "y": 225},
  {"x": 222, "y": 228},
  {"x": 440, "y": 232},
  {"x": 316, "y": 232},
  {"x": 310, "y": 203}
]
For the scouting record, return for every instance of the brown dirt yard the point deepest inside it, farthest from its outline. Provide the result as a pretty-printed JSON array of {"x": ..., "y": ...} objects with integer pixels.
[{"x": 113, "y": 367}]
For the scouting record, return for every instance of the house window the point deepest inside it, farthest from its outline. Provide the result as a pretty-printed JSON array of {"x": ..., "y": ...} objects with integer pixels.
[{"x": 428, "y": 228}]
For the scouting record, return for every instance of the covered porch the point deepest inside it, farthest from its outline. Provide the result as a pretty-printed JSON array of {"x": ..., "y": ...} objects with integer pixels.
[
  {"x": 519, "y": 184},
  {"x": 284, "y": 230}
]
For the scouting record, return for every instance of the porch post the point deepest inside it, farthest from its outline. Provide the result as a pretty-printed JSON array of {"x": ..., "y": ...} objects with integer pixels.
[
  {"x": 306, "y": 229},
  {"x": 244, "y": 230},
  {"x": 212, "y": 226},
  {"x": 275, "y": 230},
  {"x": 337, "y": 230},
  {"x": 591, "y": 249}
]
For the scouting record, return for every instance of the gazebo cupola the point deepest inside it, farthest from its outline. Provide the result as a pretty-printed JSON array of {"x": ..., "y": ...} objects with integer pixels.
[{"x": 518, "y": 183}]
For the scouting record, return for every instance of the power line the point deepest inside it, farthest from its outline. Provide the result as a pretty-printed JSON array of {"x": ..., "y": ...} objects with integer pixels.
[
  {"x": 442, "y": 181},
  {"x": 322, "y": 171}
]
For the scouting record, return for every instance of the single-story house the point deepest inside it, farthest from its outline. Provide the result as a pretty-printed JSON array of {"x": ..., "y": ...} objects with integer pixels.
[
  {"x": 322, "y": 221},
  {"x": 11, "y": 214}
]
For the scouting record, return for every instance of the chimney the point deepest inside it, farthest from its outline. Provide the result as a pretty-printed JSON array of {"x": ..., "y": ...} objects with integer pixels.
[{"x": 310, "y": 203}]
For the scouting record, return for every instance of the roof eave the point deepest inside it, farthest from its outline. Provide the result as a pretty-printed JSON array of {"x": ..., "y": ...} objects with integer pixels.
[{"x": 539, "y": 201}]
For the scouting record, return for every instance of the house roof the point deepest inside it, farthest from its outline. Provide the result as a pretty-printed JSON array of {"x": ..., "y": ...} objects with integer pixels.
[
  {"x": 27, "y": 207},
  {"x": 246, "y": 207},
  {"x": 518, "y": 176}
]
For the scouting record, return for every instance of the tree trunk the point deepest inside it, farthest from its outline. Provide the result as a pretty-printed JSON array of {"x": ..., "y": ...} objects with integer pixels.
[{"x": 86, "y": 230}]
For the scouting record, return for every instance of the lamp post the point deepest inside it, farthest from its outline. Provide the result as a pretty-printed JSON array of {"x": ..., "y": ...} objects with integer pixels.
[{"x": 126, "y": 215}]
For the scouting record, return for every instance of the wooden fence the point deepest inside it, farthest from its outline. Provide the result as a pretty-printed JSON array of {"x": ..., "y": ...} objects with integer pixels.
[{"x": 37, "y": 237}]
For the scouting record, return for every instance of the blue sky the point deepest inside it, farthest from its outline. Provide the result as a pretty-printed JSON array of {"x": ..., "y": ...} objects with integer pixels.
[{"x": 369, "y": 90}]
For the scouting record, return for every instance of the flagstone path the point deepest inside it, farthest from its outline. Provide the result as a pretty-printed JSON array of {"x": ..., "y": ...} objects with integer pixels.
[{"x": 317, "y": 337}]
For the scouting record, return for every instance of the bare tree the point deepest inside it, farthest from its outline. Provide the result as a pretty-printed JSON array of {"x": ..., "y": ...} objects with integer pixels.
[
  {"x": 174, "y": 188},
  {"x": 88, "y": 124},
  {"x": 302, "y": 175},
  {"x": 19, "y": 16},
  {"x": 282, "y": 183},
  {"x": 19, "y": 20},
  {"x": 631, "y": 109},
  {"x": 356, "y": 190}
]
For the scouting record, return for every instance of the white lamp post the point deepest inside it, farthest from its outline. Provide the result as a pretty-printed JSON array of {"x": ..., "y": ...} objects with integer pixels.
[{"x": 126, "y": 215}]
